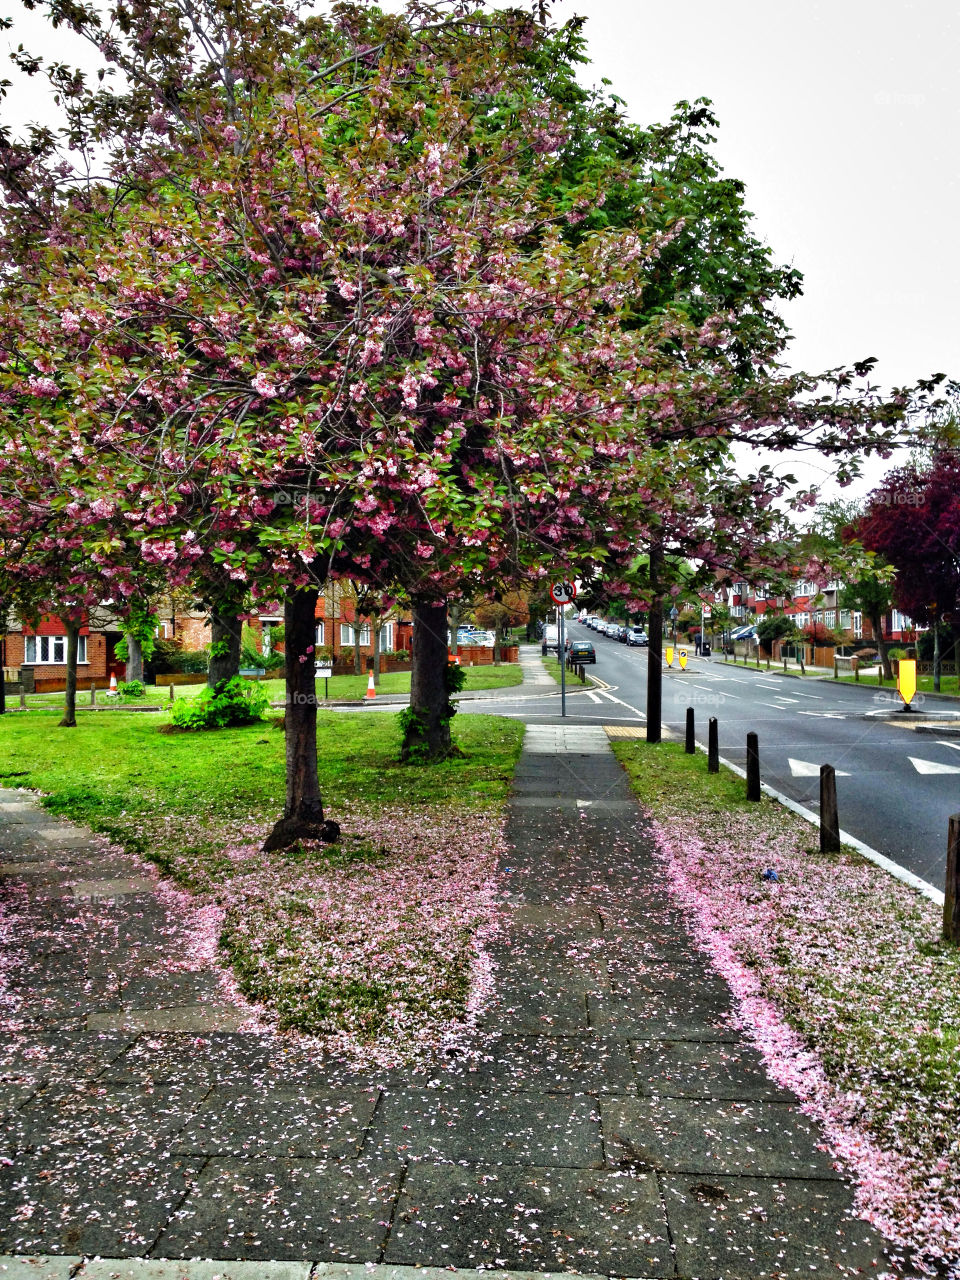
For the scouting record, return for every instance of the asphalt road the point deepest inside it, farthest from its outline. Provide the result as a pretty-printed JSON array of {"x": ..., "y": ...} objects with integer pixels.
[{"x": 896, "y": 787}]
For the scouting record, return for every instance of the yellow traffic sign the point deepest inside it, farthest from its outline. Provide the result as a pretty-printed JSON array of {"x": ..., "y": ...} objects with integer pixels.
[
  {"x": 683, "y": 659},
  {"x": 907, "y": 680},
  {"x": 668, "y": 654}
]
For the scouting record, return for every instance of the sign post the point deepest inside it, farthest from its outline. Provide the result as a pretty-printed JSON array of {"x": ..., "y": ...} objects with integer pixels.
[
  {"x": 326, "y": 672},
  {"x": 562, "y": 593}
]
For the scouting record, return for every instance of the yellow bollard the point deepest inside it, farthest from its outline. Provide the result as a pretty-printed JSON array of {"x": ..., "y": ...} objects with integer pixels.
[
  {"x": 683, "y": 659},
  {"x": 668, "y": 654}
]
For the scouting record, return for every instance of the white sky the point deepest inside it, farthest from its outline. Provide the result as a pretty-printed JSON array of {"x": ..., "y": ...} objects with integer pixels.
[{"x": 842, "y": 119}]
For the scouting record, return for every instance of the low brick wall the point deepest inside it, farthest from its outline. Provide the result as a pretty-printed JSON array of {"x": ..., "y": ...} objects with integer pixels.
[{"x": 477, "y": 655}]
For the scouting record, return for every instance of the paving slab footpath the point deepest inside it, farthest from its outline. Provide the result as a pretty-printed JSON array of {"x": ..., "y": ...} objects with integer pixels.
[{"x": 611, "y": 1119}]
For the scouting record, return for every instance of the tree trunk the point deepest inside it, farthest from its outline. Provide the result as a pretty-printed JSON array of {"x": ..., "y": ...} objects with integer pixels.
[
  {"x": 303, "y": 812},
  {"x": 69, "y": 720},
  {"x": 376, "y": 627},
  {"x": 655, "y": 650},
  {"x": 3, "y": 659},
  {"x": 427, "y": 734},
  {"x": 455, "y": 610},
  {"x": 224, "y": 647},
  {"x": 876, "y": 621},
  {"x": 497, "y": 643},
  {"x": 134, "y": 668},
  {"x": 357, "y": 661}
]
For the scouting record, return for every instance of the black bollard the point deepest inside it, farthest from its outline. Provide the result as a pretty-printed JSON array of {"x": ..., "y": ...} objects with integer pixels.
[
  {"x": 690, "y": 745},
  {"x": 753, "y": 767},
  {"x": 951, "y": 896},
  {"x": 829, "y": 816},
  {"x": 713, "y": 746}
]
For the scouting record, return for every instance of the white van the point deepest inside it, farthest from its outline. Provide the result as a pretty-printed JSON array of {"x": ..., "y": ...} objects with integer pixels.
[{"x": 551, "y": 636}]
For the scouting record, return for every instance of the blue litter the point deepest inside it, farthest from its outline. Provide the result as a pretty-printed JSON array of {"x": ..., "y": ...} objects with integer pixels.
[{"x": 770, "y": 874}]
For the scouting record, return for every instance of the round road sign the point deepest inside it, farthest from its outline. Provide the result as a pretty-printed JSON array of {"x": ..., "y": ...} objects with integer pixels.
[{"x": 562, "y": 592}]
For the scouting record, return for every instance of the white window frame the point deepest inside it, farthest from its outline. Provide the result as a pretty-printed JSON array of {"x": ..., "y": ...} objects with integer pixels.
[
  {"x": 51, "y": 651},
  {"x": 321, "y": 631},
  {"x": 386, "y": 637},
  {"x": 346, "y": 633},
  {"x": 857, "y": 624}
]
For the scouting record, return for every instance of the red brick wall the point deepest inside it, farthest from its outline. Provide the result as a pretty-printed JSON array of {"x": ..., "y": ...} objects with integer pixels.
[{"x": 95, "y": 668}]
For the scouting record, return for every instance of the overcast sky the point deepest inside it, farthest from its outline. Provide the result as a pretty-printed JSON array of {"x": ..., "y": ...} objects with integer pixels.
[{"x": 842, "y": 119}]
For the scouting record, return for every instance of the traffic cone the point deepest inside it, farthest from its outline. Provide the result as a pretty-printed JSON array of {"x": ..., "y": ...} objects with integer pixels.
[
  {"x": 113, "y": 683},
  {"x": 371, "y": 687}
]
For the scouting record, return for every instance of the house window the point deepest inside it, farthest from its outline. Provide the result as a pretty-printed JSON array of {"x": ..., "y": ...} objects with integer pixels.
[
  {"x": 346, "y": 633},
  {"x": 830, "y": 617},
  {"x": 320, "y": 633},
  {"x": 386, "y": 637},
  {"x": 51, "y": 650},
  {"x": 857, "y": 624}
]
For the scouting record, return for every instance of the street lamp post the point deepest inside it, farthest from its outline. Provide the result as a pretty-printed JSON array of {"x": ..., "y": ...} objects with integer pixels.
[{"x": 936, "y": 649}]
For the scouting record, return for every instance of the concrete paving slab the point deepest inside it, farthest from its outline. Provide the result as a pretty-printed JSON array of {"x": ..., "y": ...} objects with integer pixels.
[
  {"x": 103, "y": 1114},
  {"x": 59, "y": 1055},
  {"x": 279, "y": 1210},
  {"x": 194, "y": 1269},
  {"x": 691, "y": 1069},
  {"x": 492, "y": 1126},
  {"x": 523, "y": 1010},
  {"x": 555, "y": 1219},
  {"x": 554, "y": 1064},
  {"x": 750, "y": 1227},
  {"x": 349, "y": 1271},
  {"x": 707, "y": 1136},
  {"x": 89, "y": 1202},
  {"x": 42, "y": 1267},
  {"x": 105, "y": 890},
  {"x": 661, "y": 1018},
  {"x": 274, "y": 1121},
  {"x": 198, "y": 1018}
]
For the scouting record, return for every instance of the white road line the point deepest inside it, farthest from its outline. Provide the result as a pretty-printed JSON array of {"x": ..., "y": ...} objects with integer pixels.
[
  {"x": 955, "y": 746},
  {"x": 933, "y": 766},
  {"x": 817, "y": 697},
  {"x": 762, "y": 684},
  {"x": 802, "y": 769},
  {"x": 592, "y": 696},
  {"x": 610, "y": 696},
  {"x": 781, "y": 698}
]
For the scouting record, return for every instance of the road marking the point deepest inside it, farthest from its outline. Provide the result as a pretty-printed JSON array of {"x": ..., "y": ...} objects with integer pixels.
[
  {"x": 801, "y": 769},
  {"x": 932, "y": 766},
  {"x": 592, "y": 696},
  {"x": 763, "y": 685},
  {"x": 817, "y": 697},
  {"x": 606, "y": 694},
  {"x": 823, "y": 715},
  {"x": 584, "y": 804},
  {"x": 954, "y": 746},
  {"x": 781, "y": 698}
]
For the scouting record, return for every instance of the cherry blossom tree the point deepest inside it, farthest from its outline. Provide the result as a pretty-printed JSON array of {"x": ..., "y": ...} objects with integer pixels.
[{"x": 345, "y": 305}]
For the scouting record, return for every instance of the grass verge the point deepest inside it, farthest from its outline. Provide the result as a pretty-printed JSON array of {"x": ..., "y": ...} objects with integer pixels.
[
  {"x": 850, "y": 960},
  {"x": 369, "y": 941}
]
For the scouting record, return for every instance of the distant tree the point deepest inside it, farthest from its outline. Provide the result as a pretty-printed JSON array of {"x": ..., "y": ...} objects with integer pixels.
[{"x": 775, "y": 626}]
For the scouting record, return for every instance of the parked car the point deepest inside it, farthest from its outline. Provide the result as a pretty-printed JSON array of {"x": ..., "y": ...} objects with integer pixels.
[
  {"x": 551, "y": 636},
  {"x": 622, "y": 632},
  {"x": 637, "y": 636},
  {"x": 582, "y": 651}
]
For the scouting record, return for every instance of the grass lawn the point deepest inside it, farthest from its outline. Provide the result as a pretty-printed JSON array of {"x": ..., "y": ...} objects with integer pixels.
[
  {"x": 833, "y": 956},
  {"x": 410, "y": 875},
  {"x": 488, "y": 677},
  {"x": 949, "y": 685}
]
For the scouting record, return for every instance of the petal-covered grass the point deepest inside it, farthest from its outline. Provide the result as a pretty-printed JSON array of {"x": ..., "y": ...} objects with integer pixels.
[
  {"x": 842, "y": 980},
  {"x": 375, "y": 944}
]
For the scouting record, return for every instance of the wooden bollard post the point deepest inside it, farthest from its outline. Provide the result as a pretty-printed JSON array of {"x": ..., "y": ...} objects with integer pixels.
[
  {"x": 753, "y": 767},
  {"x": 829, "y": 817},
  {"x": 93, "y": 693},
  {"x": 172, "y": 695},
  {"x": 23, "y": 699},
  {"x": 784, "y": 664},
  {"x": 836, "y": 669},
  {"x": 690, "y": 745},
  {"x": 951, "y": 894},
  {"x": 713, "y": 746}
]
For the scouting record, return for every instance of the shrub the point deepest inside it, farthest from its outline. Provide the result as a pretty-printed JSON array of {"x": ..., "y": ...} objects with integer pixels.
[
  {"x": 399, "y": 655},
  {"x": 191, "y": 662},
  {"x": 166, "y": 655},
  {"x": 131, "y": 689},
  {"x": 897, "y": 654},
  {"x": 230, "y": 702}
]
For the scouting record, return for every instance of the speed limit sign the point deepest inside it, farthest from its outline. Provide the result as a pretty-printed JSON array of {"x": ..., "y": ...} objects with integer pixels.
[{"x": 562, "y": 592}]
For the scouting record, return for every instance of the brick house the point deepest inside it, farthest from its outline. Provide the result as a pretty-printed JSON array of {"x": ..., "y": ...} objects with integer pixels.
[{"x": 37, "y": 657}]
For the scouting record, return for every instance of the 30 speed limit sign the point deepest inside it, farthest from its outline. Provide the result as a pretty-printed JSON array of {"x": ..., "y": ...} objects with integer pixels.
[{"x": 562, "y": 592}]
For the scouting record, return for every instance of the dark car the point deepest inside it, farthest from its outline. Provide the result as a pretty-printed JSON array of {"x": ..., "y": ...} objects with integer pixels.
[
  {"x": 582, "y": 651},
  {"x": 622, "y": 633}
]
